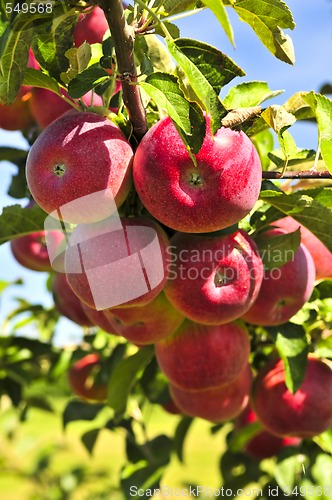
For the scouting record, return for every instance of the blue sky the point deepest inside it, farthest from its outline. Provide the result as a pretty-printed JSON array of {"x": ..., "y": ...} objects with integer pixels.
[{"x": 313, "y": 48}]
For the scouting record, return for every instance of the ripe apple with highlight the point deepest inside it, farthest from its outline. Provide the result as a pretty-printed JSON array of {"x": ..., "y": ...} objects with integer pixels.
[
  {"x": 125, "y": 262},
  {"x": 31, "y": 250},
  {"x": 86, "y": 380},
  {"x": 263, "y": 444},
  {"x": 197, "y": 357},
  {"x": 214, "y": 279},
  {"x": 80, "y": 154},
  {"x": 304, "y": 414},
  {"x": 321, "y": 255},
  {"x": 147, "y": 324},
  {"x": 66, "y": 301},
  {"x": 218, "y": 192},
  {"x": 217, "y": 404},
  {"x": 284, "y": 289}
]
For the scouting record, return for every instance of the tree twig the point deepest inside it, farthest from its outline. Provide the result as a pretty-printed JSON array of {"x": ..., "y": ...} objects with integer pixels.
[
  {"x": 123, "y": 38},
  {"x": 304, "y": 174}
]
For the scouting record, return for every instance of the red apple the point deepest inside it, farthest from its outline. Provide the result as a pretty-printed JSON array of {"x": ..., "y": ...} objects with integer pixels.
[
  {"x": 284, "y": 289},
  {"x": 17, "y": 116},
  {"x": 171, "y": 407},
  {"x": 85, "y": 378},
  {"x": 197, "y": 357},
  {"x": 31, "y": 250},
  {"x": 78, "y": 166},
  {"x": 263, "y": 444},
  {"x": 46, "y": 106},
  {"x": 124, "y": 262},
  {"x": 218, "y": 192},
  {"x": 321, "y": 255},
  {"x": 147, "y": 324},
  {"x": 90, "y": 27},
  {"x": 217, "y": 404},
  {"x": 98, "y": 318},
  {"x": 304, "y": 414},
  {"x": 66, "y": 301},
  {"x": 214, "y": 280}
]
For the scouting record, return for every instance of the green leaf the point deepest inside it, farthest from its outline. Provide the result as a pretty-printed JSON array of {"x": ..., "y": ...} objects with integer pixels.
[
  {"x": 324, "y": 440},
  {"x": 263, "y": 142},
  {"x": 200, "y": 85},
  {"x": 322, "y": 107},
  {"x": 79, "y": 59},
  {"x": 276, "y": 250},
  {"x": 187, "y": 116},
  {"x": 241, "y": 437},
  {"x": 217, "y": 68},
  {"x": 292, "y": 346},
  {"x": 249, "y": 94},
  {"x": 218, "y": 9},
  {"x": 124, "y": 377},
  {"x": 288, "y": 469},
  {"x": 297, "y": 157},
  {"x": 89, "y": 439},
  {"x": 87, "y": 80},
  {"x": 172, "y": 29},
  {"x": 308, "y": 207},
  {"x": 144, "y": 477},
  {"x": 16, "y": 221},
  {"x": 267, "y": 17},
  {"x": 180, "y": 436},
  {"x": 278, "y": 118},
  {"x": 13, "y": 62},
  {"x": 172, "y": 7},
  {"x": 152, "y": 48},
  {"x": 12, "y": 154},
  {"x": 36, "y": 78},
  {"x": 80, "y": 410},
  {"x": 39, "y": 402},
  {"x": 52, "y": 40},
  {"x": 321, "y": 472}
]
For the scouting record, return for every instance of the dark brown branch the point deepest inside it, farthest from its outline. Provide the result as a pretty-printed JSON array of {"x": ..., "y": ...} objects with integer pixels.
[
  {"x": 304, "y": 174},
  {"x": 123, "y": 37}
]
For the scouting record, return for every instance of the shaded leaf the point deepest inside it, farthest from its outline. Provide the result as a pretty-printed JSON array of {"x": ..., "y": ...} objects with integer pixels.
[
  {"x": 292, "y": 346},
  {"x": 217, "y": 68},
  {"x": 12, "y": 154},
  {"x": 80, "y": 410},
  {"x": 307, "y": 208},
  {"x": 36, "y": 78},
  {"x": 89, "y": 439},
  {"x": 276, "y": 250},
  {"x": 87, "y": 80},
  {"x": 52, "y": 40},
  {"x": 16, "y": 221},
  {"x": 180, "y": 435},
  {"x": 13, "y": 62},
  {"x": 141, "y": 475}
]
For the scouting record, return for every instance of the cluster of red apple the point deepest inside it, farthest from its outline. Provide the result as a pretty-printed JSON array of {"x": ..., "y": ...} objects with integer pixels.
[
  {"x": 38, "y": 106},
  {"x": 212, "y": 282}
]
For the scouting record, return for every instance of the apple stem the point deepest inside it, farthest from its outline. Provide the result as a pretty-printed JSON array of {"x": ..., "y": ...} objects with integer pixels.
[
  {"x": 304, "y": 174},
  {"x": 123, "y": 37}
]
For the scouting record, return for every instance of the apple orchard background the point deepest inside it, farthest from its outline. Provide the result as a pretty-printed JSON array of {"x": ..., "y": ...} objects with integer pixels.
[{"x": 313, "y": 48}]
